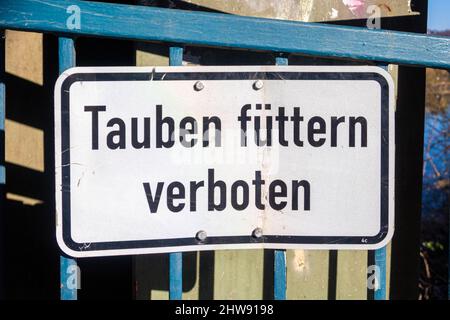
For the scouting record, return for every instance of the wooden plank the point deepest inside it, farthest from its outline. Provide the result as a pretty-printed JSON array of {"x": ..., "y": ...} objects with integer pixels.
[
  {"x": 238, "y": 274},
  {"x": 24, "y": 145},
  {"x": 24, "y": 55},
  {"x": 307, "y": 274},
  {"x": 351, "y": 275},
  {"x": 179, "y": 26},
  {"x": 306, "y": 10}
]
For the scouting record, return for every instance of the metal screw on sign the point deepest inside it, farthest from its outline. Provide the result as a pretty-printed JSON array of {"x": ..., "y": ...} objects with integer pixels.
[
  {"x": 201, "y": 235},
  {"x": 258, "y": 85},
  {"x": 198, "y": 86},
  {"x": 257, "y": 233}
]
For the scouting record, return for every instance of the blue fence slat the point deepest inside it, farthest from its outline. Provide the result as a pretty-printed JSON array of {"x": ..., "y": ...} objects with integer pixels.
[
  {"x": 223, "y": 30},
  {"x": 280, "y": 272},
  {"x": 67, "y": 56},
  {"x": 380, "y": 262},
  {"x": 175, "y": 56},
  {"x": 380, "y": 254},
  {"x": 175, "y": 276},
  {"x": 279, "y": 283},
  {"x": 68, "y": 267},
  {"x": 68, "y": 277},
  {"x": 175, "y": 259}
]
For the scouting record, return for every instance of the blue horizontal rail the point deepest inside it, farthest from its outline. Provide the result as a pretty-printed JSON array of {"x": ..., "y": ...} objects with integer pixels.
[{"x": 222, "y": 30}]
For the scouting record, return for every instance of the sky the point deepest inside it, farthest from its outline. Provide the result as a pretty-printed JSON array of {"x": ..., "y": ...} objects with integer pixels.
[{"x": 438, "y": 14}]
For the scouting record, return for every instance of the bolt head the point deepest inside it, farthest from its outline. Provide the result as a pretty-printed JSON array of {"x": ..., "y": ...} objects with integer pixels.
[
  {"x": 201, "y": 235},
  {"x": 257, "y": 233},
  {"x": 258, "y": 84},
  {"x": 199, "y": 86}
]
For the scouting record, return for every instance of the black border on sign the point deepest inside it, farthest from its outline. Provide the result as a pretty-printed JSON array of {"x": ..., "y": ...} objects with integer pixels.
[{"x": 245, "y": 239}]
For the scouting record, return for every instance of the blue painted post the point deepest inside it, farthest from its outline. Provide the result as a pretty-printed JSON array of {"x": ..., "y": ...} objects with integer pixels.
[
  {"x": 279, "y": 275},
  {"x": 175, "y": 259},
  {"x": 279, "y": 281},
  {"x": 380, "y": 262},
  {"x": 68, "y": 267},
  {"x": 380, "y": 255},
  {"x": 176, "y": 56}
]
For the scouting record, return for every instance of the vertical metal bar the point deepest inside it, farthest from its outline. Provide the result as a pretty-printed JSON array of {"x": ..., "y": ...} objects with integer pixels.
[
  {"x": 175, "y": 56},
  {"x": 281, "y": 61},
  {"x": 67, "y": 56},
  {"x": 280, "y": 275},
  {"x": 380, "y": 262},
  {"x": 68, "y": 267},
  {"x": 279, "y": 279},
  {"x": 175, "y": 259},
  {"x": 380, "y": 254}
]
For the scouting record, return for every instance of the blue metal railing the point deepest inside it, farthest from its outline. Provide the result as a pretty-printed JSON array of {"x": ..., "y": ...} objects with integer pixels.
[
  {"x": 220, "y": 30},
  {"x": 67, "y": 59},
  {"x": 380, "y": 258},
  {"x": 279, "y": 263},
  {"x": 175, "y": 259}
]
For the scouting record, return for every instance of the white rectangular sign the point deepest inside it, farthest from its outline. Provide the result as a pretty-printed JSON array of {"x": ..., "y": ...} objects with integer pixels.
[{"x": 171, "y": 159}]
